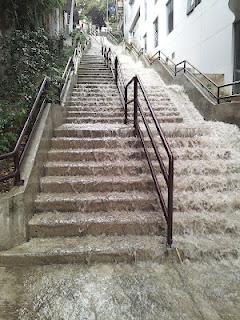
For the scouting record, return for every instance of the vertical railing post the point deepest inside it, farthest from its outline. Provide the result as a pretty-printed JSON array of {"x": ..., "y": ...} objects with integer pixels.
[
  {"x": 116, "y": 70},
  {"x": 135, "y": 99},
  {"x": 126, "y": 105},
  {"x": 170, "y": 202},
  {"x": 105, "y": 53},
  {"x": 17, "y": 178},
  {"x": 108, "y": 57},
  {"x": 184, "y": 66},
  {"x": 218, "y": 95},
  {"x": 159, "y": 55}
]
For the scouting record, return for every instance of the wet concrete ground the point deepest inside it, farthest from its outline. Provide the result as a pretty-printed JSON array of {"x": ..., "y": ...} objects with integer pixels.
[{"x": 141, "y": 291}]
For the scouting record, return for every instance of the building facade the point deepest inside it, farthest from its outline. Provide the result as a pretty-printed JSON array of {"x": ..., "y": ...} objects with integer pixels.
[{"x": 204, "y": 32}]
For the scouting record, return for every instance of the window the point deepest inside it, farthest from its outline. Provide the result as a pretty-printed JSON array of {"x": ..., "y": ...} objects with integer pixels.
[
  {"x": 169, "y": 16},
  {"x": 155, "y": 32},
  {"x": 191, "y": 5}
]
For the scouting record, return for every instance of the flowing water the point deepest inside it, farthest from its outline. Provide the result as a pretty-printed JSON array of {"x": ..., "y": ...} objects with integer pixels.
[
  {"x": 207, "y": 166},
  {"x": 206, "y": 219}
]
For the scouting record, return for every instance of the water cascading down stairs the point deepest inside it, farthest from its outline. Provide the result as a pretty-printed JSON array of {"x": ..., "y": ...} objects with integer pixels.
[{"x": 97, "y": 200}]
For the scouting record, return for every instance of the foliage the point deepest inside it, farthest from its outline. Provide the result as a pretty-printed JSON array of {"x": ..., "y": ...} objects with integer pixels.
[
  {"x": 95, "y": 9},
  {"x": 78, "y": 36},
  {"x": 27, "y": 57},
  {"x": 10, "y": 124},
  {"x": 24, "y": 56},
  {"x": 27, "y": 14}
]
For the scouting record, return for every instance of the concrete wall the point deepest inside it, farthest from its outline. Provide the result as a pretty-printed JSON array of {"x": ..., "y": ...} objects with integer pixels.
[
  {"x": 204, "y": 37},
  {"x": 225, "y": 112},
  {"x": 16, "y": 206}
]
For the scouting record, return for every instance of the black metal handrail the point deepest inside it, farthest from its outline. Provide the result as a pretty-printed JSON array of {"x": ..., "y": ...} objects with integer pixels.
[
  {"x": 36, "y": 110},
  {"x": 111, "y": 37},
  {"x": 70, "y": 67},
  {"x": 116, "y": 69},
  {"x": 187, "y": 67},
  {"x": 131, "y": 46},
  {"x": 21, "y": 146},
  {"x": 167, "y": 171}
]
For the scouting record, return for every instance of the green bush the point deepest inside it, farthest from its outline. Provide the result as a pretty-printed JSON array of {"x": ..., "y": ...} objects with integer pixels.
[{"x": 26, "y": 58}]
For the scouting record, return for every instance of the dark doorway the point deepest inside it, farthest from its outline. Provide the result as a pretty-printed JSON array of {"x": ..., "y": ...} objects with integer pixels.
[{"x": 236, "y": 74}]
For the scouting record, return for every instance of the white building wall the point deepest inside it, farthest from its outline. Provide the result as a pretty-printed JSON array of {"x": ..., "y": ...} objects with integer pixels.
[{"x": 204, "y": 37}]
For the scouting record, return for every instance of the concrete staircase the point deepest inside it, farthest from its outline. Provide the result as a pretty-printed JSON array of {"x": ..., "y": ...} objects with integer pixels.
[{"x": 97, "y": 200}]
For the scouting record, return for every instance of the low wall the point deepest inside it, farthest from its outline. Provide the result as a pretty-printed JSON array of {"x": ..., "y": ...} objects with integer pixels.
[
  {"x": 16, "y": 206},
  {"x": 225, "y": 112}
]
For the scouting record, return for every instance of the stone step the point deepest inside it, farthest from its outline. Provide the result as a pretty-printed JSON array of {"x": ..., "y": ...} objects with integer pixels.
[
  {"x": 102, "y": 249},
  {"x": 208, "y": 247},
  {"x": 95, "y": 76},
  {"x": 210, "y": 201},
  {"x": 109, "y": 104},
  {"x": 92, "y": 143},
  {"x": 87, "y": 81},
  {"x": 132, "y": 168},
  {"x": 95, "y": 68},
  {"x": 95, "y": 106},
  {"x": 115, "y": 183},
  {"x": 103, "y": 154},
  {"x": 60, "y": 184},
  {"x": 95, "y": 202},
  {"x": 89, "y": 113},
  {"x": 95, "y": 119},
  {"x": 103, "y": 94},
  {"x": 80, "y": 87},
  {"x": 95, "y": 73},
  {"x": 184, "y": 130},
  {"x": 106, "y": 91},
  {"x": 211, "y": 183},
  {"x": 170, "y": 130},
  {"x": 118, "y": 168},
  {"x": 115, "y": 142},
  {"x": 199, "y": 223},
  {"x": 90, "y": 64},
  {"x": 92, "y": 113},
  {"x": 93, "y": 131},
  {"x": 70, "y": 224},
  {"x": 206, "y": 167}
]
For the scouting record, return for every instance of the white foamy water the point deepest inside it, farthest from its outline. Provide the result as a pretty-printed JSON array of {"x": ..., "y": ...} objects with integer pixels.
[{"x": 204, "y": 151}]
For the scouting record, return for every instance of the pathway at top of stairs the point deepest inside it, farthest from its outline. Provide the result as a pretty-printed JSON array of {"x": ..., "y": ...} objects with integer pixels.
[{"x": 96, "y": 200}]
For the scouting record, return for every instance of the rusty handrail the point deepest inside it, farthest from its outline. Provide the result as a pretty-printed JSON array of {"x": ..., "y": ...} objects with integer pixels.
[
  {"x": 167, "y": 172},
  {"x": 187, "y": 66},
  {"x": 18, "y": 153},
  {"x": 71, "y": 66},
  {"x": 36, "y": 110}
]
